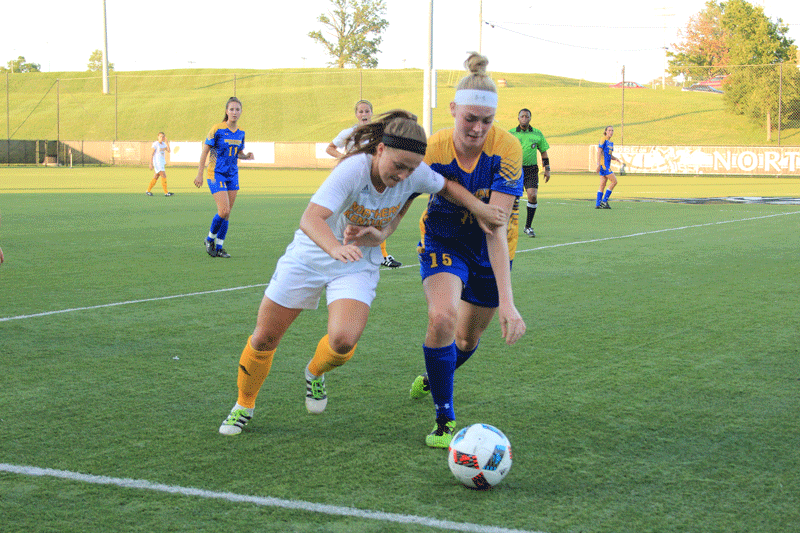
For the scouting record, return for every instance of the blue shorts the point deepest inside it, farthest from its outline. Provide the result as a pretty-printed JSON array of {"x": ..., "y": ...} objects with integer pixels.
[
  {"x": 223, "y": 183},
  {"x": 479, "y": 286},
  {"x": 605, "y": 171}
]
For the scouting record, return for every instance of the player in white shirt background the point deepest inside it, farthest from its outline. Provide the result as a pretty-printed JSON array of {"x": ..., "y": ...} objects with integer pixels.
[{"x": 158, "y": 163}]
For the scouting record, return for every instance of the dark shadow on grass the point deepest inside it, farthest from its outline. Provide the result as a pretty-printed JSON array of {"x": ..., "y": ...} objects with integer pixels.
[
  {"x": 228, "y": 81},
  {"x": 587, "y": 131}
]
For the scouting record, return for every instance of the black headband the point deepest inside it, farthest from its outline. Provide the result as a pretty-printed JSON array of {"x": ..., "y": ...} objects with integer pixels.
[{"x": 404, "y": 143}]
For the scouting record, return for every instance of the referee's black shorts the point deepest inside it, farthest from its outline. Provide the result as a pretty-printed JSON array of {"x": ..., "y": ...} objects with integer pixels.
[{"x": 530, "y": 176}]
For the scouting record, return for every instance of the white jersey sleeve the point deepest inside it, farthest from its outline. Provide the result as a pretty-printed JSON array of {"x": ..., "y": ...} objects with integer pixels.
[{"x": 341, "y": 140}]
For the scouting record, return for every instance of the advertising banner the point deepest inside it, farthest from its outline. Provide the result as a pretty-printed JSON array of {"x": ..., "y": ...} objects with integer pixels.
[{"x": 770, "y": 161}]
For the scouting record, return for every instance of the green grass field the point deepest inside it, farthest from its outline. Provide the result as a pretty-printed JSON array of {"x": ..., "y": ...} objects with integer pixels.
[
  {"x": 656, "y": 389},
  {"x": 315, "y": 104}
]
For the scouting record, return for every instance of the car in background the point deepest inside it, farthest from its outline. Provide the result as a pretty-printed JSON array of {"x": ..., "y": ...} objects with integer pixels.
[
  {"x": 703, "y": 89},
  {"x": 627, "y": 85},
  {"x": 715, "y": 82}
]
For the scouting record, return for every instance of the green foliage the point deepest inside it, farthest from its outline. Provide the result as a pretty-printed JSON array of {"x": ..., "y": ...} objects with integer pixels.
[
  {"x": 702, "y": 45},
  {"x": 20, "y": 65},
  {"x": 655, "y": 391},
  {"x": 726, "y": 35},
  {"x": 96, "y": 62},
  {"x": 355, "y": 27}
]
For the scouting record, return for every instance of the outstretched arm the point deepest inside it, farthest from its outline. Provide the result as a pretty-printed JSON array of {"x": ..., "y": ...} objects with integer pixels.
[{"x": 512, "y": 325}]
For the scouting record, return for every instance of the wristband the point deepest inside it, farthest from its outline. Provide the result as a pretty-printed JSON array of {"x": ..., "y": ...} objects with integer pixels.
[{"x": 546, "y": 163}]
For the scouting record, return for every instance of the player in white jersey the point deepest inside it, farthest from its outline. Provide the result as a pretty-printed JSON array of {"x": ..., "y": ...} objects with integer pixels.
[
  {"x": 336, "y": 250},
  {"x": 158, "y": 163},
  {"x": 343, "y": 143}
]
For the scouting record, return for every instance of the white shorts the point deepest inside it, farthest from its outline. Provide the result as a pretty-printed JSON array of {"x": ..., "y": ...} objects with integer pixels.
[
  {"x": 296, "y": 286},
  {"x": 158, "y": 165}
]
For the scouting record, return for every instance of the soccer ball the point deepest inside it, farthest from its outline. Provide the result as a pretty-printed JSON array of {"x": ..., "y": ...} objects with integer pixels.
[{"x": 480, "y": 456}]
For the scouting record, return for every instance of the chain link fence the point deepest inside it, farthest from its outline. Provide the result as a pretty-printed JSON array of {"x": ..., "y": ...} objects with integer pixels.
[{"x": 737, "y": 106}]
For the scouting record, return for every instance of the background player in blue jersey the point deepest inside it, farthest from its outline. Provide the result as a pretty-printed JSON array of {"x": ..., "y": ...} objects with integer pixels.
[
  {"x": 607, "y": 178},
  {"x": 466, "y": 272},
  {"x": 225, "y": 144}
]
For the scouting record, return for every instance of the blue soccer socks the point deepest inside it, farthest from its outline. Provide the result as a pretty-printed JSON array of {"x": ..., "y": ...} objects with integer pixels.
[
  {"x": 222, "y": 233},
  {"x": 216, "y": 223},
  {"x": 441, "y": 365},
  {"x": 462, "y": 356}
]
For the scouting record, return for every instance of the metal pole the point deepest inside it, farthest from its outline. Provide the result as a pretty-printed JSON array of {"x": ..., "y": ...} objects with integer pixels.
[
  {"x": 480, "y": 28},
  {"x": 622, "y": 126},
  {"x": 58, "y": 120},
  {"x": 427, "y": 112},
  {"x": 8, "y": 124},
  {"x": 105, "y": 50},
  {"x": 116, "y": 107},
  {"x": 780, "y": 102}
]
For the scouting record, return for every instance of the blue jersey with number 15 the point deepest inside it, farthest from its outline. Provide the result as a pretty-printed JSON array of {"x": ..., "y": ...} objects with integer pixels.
[{"x": 225, "y": 147}]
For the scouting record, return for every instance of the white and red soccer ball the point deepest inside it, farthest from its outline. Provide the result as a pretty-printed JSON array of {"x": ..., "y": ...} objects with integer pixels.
[{"x": 480, "y": 456}]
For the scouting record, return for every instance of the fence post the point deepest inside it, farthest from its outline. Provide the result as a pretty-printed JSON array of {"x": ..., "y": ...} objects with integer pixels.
[
  {"x": 58, "y": 120},
  {"x": 116, "y": 106},
  {"x": 622, "y": 126},
  {"x": 8, "y": 124},
  {"x": 780, "y": 102}
]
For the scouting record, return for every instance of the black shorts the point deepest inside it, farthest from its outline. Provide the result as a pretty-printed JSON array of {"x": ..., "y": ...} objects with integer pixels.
[{"x": 530, "y": 176}]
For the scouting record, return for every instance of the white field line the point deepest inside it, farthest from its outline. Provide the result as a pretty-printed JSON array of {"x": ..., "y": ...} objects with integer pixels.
[
  {"x": 589, "y": 241},
  {"x": 115, "y": 304},
  {"x": 142, "y": 484}
]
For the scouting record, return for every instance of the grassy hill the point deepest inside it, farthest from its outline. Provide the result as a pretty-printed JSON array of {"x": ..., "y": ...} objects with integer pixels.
[{"x": 315, "y": 104}]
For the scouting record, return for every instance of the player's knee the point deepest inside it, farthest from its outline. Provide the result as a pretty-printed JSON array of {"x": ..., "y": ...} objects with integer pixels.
[
  {"x": 224, "y": 212},
  {"x": 442, "y": 321},
  {"x": 467, "y": 343},
  {"x": 342, "y": 343}
]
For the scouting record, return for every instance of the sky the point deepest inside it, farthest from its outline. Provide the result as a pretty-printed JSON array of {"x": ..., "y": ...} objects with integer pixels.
[{"x": 576, "y": 39}]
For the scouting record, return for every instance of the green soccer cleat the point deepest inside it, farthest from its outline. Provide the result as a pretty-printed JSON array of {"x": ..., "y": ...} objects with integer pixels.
[
  {"x": 236, "y": 421},
  {"x": 442, "y": 433},
  {"x": 420, "y": 388},
  {"x": 316, "y": 397}
]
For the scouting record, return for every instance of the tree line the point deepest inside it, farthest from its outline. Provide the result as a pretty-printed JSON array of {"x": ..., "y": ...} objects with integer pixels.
[{"x": 758, "y": 60}]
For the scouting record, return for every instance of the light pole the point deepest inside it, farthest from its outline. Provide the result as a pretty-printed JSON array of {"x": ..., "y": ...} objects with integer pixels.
[
  {"x": 664, "y": 14},
  {"x": 105, "y": 50},
  {"x": 427, "y": 110}
]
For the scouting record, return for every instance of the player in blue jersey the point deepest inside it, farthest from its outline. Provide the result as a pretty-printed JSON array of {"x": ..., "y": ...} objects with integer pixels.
[
  {"x": 466, "y": 272},
  {"x": 225, "y": 145},
  {"x": 607, "y": 178}
]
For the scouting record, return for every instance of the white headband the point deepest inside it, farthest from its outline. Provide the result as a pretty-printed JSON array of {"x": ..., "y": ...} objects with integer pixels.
[{"x": 476, "y": 97}]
